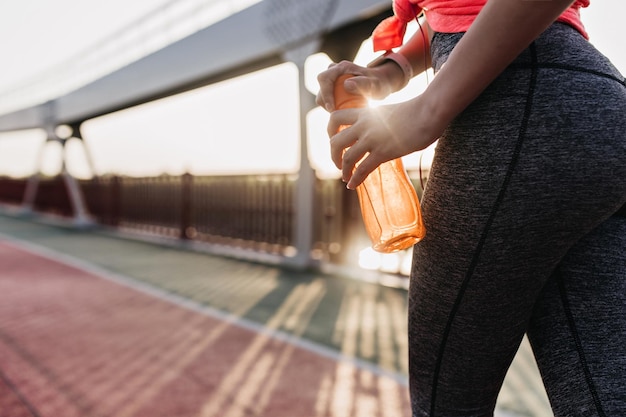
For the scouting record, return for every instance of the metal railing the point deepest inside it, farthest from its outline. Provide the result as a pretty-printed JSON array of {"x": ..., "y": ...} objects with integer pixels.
[
  {"x": 163, "y": 26},
  {"x": 252, "y": 212},
  {"x": 246, "y": 211}
]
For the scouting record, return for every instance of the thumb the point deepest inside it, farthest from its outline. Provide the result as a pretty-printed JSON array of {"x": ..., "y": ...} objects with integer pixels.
[
  {"x": 366, "y": 86},
  {"x": 359, "y": 84}
]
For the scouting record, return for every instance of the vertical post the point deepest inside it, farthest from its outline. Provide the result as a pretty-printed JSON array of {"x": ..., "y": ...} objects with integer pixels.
[
  {"x": 304, "y": 195},
  {"x": 115, "y": 201},
  {"x": 186, "y": 231},
  {"x": 32, "y": 185},
  {"x": 78, "y": 134},
  {"x": 77, "y": 200},
  {"x": 81, "y": 217}
]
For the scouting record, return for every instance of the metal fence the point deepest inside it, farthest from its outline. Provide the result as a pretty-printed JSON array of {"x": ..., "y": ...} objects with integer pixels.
[
  {"x": 248, "y": 211},
  {"x": 252, "y": 212}
]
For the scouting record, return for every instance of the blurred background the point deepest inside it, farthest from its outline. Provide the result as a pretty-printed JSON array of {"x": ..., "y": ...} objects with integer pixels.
[
  {"x": 40, "y": 38},
  {"x": 244, "y": 125},
  {"x": 235, "y": 164}
]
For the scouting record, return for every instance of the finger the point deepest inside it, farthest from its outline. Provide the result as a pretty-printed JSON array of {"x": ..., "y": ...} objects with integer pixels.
[
  {"x": 340, "y": 119},
  {"x": 339, "y": 143},
  {"x": 351, "y": 159},
  {"x": 327, "y": 79},
  {"x": 365, "y": 167},
  {"x": 325, "y": 97},
  {"x": 360, "y": 84}
]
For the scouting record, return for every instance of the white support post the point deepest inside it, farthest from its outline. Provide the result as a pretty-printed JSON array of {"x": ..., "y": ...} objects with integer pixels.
[
  {"x": 304, "y": 195},
  {"x": 78, "y": 134},
  {"x": 75, "y": 194},
  {"x": 81, "y": 217},
  {"x": 32, "y": 185},
  {"x": 77, "y": 201}
]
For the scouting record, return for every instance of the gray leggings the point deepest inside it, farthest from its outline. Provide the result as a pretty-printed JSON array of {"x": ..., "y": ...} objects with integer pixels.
[{"x": 526, "y": 234}]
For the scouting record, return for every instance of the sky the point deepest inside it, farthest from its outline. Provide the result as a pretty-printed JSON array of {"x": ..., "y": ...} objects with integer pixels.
[
  {"x": 41, "y": 33},
  {"x": 200, "y": 131}
]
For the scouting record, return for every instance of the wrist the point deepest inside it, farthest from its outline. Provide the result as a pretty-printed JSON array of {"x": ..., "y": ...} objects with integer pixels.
[
  {"x": 396, "y": 67},
  {"x": 434, "y": 110}
]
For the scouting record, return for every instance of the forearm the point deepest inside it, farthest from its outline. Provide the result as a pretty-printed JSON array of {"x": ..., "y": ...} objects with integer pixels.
[
  {"x": 502, "y": 30},
  {"x": 417, "y": 48},
  {"x": 416, "y": 51}
]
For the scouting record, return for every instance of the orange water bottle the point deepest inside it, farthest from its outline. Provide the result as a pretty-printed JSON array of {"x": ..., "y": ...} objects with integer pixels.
[{"x": 389, "y": 203}]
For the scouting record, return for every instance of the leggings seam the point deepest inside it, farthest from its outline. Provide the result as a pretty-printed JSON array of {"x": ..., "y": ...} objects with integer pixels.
[
  {"x": 579, "y": 346},
  {"x": 566, "y": 67},
  {"x": 474, "y": 262}
]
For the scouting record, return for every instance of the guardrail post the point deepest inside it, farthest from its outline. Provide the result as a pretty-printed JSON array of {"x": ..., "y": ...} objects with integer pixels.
[{"x": 185, "y": 206}]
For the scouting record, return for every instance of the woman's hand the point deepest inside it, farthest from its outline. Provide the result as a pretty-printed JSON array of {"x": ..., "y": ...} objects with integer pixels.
[
  {"x": 371, "y": 127},
  {"x": 376, "y": 135},
  {"x": 377, "y": 82}
]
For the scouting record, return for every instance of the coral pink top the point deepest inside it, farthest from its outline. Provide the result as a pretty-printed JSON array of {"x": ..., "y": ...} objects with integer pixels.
[{"x": 448, "y": 16}]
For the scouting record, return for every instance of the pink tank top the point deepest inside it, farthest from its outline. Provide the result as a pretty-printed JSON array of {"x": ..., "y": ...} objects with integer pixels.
[{"x": 448, "y": 16}]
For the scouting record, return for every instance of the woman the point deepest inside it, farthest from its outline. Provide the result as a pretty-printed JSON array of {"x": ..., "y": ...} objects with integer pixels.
[{"x": 524, "y": 206}]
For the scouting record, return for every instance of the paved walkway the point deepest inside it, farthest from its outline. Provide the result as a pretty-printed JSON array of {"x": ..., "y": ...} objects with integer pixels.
[{"x": 192, "y": 334}]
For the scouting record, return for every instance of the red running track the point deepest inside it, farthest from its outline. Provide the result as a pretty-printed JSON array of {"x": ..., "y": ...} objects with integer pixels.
[{"x": 73, "y": 343}]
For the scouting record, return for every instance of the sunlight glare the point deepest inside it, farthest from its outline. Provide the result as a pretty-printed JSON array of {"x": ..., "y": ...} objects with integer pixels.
[
  {"x": 52, "y": 160},
  {"x": 369, "y": 259},
  {"x": 313, "y": 65},
  {"x": 390, "y": 262},
  {"x": 245, "y": 125},
  {"x": 19, "y": 151},
  {"x": 77, "y": 162},
  {"x": 318, "y": 141}
]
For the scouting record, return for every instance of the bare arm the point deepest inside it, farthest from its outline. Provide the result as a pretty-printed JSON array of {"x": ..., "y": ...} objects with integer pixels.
[
  {"x": 503, "y": 29},
  {"x": 417, "y": 48}
]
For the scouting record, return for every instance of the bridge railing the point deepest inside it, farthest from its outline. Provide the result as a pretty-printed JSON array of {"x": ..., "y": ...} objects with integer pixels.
[
  {"x": 250, "y": 212},
  {"x": 243, "y": 211}
]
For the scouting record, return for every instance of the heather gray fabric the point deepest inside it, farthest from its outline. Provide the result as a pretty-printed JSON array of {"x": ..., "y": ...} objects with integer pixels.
[{"x": 523, "y": 236}]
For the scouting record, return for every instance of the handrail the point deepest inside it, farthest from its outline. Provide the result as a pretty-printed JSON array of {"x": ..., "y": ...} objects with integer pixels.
[{"x": 163, "y": 26}]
